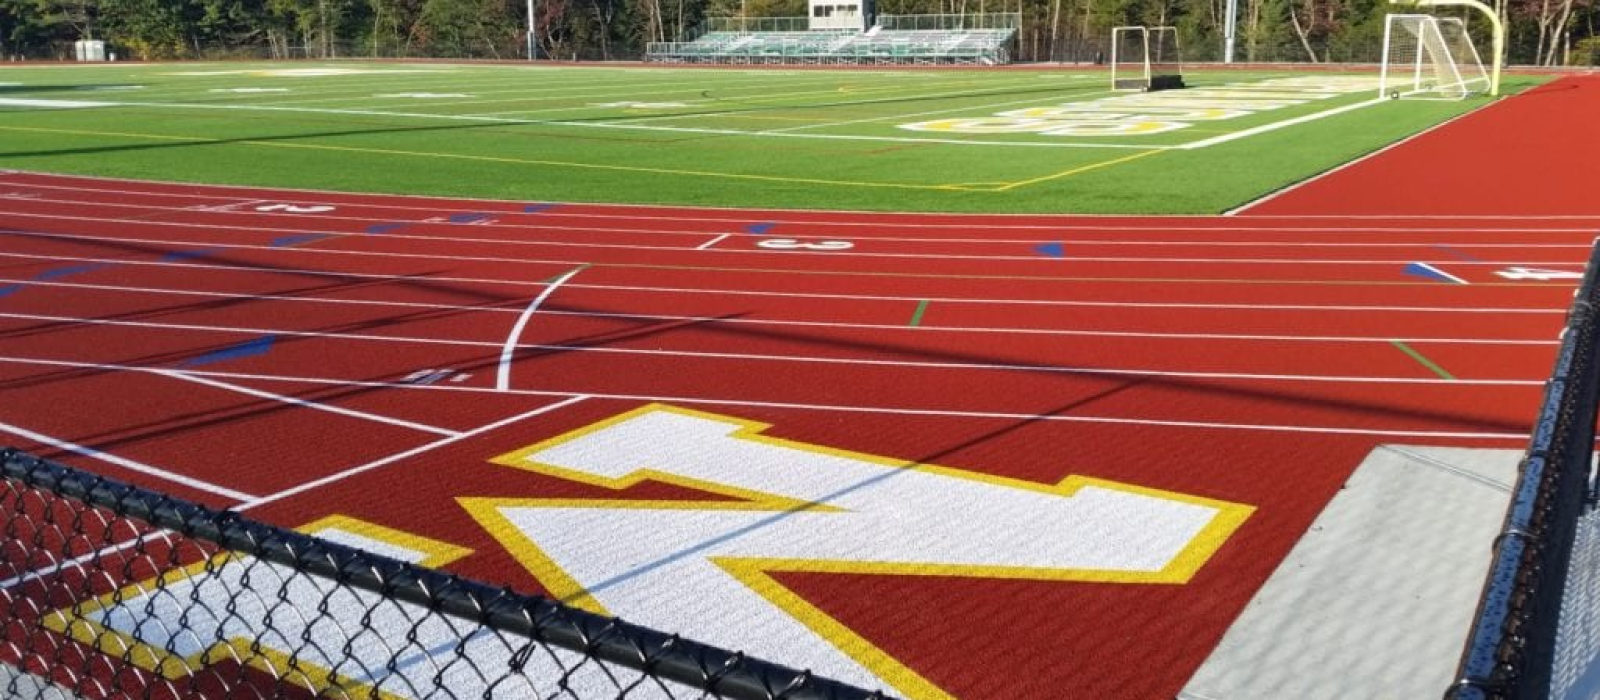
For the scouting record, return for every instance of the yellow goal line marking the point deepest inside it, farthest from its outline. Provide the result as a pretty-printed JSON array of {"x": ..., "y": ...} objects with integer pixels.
[
  {"x": 492, "y": 159},
  {"x": 1076, "y": 171}
]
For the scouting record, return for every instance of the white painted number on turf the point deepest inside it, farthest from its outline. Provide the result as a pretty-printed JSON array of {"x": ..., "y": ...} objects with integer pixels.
[
  {"x": 1534, "y": 273},
  {"x": 297, "y": 208},
  {"x": 792, "y": 244}
]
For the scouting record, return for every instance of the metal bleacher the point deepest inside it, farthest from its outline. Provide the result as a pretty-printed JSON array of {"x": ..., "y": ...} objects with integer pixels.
[{"x": 892, "y": 41}]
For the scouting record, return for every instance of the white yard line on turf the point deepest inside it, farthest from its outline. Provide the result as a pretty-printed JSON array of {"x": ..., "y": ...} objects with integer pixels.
[
  {"x": 369, "y": 466},
  {"x": 128, "y": 464},
  {"x": 896, "y": 328},
  {"x": 720, "y": 291},
  {"x": 988, "y": 222},
  {"x": 502, "y": 382},
  {"x": 1274, "y": 126},
  {"x": 969, "y": 108},
  {"x": 362, "y": 415},
  {"x": 837, "y": 408}
]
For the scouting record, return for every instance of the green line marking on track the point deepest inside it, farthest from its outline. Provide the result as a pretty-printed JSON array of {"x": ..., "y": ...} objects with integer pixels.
[
  {"x": 916, "y": 316},
  {"x": 1425, "y": 362}
]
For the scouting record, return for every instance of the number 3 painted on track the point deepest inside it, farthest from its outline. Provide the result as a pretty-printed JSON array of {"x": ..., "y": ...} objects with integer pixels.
[
  {"x": 792, "y": 244},
  {"x": 296, "y": 209}
]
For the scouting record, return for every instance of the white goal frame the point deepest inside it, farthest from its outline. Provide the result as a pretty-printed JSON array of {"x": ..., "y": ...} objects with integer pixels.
[
  {"x": 1457, "y": 69},
  {"x": 1147, "y": 79},
  {"x": 1497, "y": 32}
]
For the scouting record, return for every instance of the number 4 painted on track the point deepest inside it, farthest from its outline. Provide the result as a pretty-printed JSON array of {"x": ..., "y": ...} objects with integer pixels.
[
  {"x": 1534, "y": 273},
  {"x": 296, "y": 208}
]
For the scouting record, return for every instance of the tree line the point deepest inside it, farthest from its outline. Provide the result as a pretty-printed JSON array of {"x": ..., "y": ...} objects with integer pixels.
[{"x": 1540, "y": 32}]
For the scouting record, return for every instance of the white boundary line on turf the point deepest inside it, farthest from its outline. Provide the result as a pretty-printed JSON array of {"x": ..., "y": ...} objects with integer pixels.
[
  {"x": 369, "y": 466},
  {"x": 128, "y": 464},
  {"x": 839, "y": 408},
  {"x": 502, "y": 377},
  {"x": 536, "y": 225},
  {"x": 1243, "y": 208},
  {"x": 797, "y": 359},
  {"x": 1068, "y": 303},
  {"x": 1274, "y": 126},
  {"x": 713, "y": 320},
  {"x": 991, "y": 219},
  {"x": 362, "y": 415},
  {"x": 819, "y": 254}
]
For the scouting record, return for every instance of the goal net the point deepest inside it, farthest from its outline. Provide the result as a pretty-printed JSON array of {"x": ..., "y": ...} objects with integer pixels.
[
  {"x": 1429, "y": 57},
  {"x": 1145, "y": 58}
]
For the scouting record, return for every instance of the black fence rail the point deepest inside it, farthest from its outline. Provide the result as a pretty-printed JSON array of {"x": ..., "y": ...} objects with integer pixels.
[
  {"x": 1511, "y": 649},
  {"x": 112, "y": 591}
]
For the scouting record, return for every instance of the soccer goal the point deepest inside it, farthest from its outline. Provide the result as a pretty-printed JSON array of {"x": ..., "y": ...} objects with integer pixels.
[
  {"x": 1429, "y": 57},
  {"x": 1145, "y": 58}
]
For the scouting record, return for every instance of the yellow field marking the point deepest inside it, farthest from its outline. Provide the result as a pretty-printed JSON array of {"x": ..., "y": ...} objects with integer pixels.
[
  {"x": 1078, "y": 170},
  {"x": 490, "y": 159},
  {"x": 755, "y": 572}
]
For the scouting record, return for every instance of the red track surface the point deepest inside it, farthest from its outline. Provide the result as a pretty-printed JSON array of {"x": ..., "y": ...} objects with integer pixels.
[{"x": 1247, "y": 359}]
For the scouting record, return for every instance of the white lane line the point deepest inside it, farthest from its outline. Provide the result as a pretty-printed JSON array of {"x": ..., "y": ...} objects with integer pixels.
[
  {"x": 1441, "y": 273},
  {"x": 787, "y": 252},
  {"x": 502, "y": 384},
  {"x": 715, "y": 291},
  {"x": 713, "y": 241},
  {"x": 502, "y": 379},
  {"x": 185, "y": 376},
  {"x": 720, "y": 320},
  {"x": 78, "y": 561},
  {"x": 128, "y": 464},
  {"x": 542, "y": 224},
  {"x": 369, "y": 466},
  {"x": 873, "y": 219},
  {"x": 839, "y": 408}
]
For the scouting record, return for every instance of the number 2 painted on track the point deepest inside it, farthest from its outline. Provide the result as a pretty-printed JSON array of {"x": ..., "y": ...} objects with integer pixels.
[
  {"x": 297, "y": 208},
  {"x": 1534, "y": 273},
  {"x": 792, "y": 244}
]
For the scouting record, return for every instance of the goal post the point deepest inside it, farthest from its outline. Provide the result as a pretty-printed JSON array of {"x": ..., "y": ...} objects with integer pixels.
[
  {"x": 1145, "y": 58},
  {"x": 1497, "y": 33},
  {"x": 1429, "y": 57}
]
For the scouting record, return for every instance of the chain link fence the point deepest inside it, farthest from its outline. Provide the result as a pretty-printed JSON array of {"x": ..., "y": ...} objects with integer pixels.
[
  {"x": 1512, "y": 649},
  {"x": 112, "y": 591}
]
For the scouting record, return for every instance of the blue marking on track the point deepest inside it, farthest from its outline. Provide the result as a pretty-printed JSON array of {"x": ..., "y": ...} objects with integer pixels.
[
  {"x": 1427, "y": 271},
  {"x": 248, "y": 348},
  {"x": 69, "y": 271},
  {"x": 178, "y": 255},
  {"x": 10, "y": 289},
  {"x": 538, "y": 208},
  {"x": 385, "y": 228},
  {"x": 287, "y": 241},
  {"x": 1054, "y": 250},
  {"x": 759, "y": 229},
  {"x": 1457, "y": 254},
  {"x": 467, "y": 218}
]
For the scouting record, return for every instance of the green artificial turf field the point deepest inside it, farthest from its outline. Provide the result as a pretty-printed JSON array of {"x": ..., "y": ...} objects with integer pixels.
[{"x": 900, "y": 140}]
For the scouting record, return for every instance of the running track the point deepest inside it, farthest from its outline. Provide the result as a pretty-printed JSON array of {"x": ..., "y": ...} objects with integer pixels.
[{"x": 299, "y": 354}]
